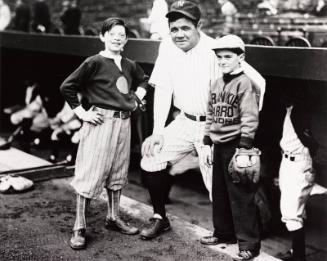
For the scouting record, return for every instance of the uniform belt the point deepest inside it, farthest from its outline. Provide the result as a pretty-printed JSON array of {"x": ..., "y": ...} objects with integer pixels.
[
  {"x": 294, "y": 157},
  {"x": 195, "y": 118},
  {"x": 122, "y": 114}
]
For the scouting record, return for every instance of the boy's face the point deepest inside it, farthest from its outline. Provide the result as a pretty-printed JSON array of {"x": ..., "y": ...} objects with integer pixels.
[
  {"x": 184, "y": 34},
  {"x": 114, "y": 39},
  {"x": 228, "y": 61}
]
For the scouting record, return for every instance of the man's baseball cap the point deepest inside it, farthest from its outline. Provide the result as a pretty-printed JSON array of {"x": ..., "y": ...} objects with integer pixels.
[
  {"x": 229, "y": 41},
  {"x": 185, "y": 8}
]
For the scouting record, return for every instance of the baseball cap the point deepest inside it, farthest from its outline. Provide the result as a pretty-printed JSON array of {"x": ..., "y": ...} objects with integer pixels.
[
  {"x": 230, "y": 41},
  {"x": 186, "y": 8}
]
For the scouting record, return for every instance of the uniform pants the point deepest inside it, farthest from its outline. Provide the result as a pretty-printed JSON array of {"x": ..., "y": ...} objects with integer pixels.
[
  {"x": 235, "y": 214},
  {"x": 296, "y": 180},
  {"x": 181, "y": 137},
  {"x": 103, "y": 155}
]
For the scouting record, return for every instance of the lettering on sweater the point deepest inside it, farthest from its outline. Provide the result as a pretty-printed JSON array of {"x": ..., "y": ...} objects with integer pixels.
[{"x": 224, "y": 106}]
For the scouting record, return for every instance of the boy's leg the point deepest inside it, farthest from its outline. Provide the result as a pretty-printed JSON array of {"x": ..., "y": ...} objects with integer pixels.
[
  {"x": 113, "y": 220},
  {"x": 242, "y": 203},
  {"x": 221, "y": 211},
  {"x": 78, "y": 240},
  {"x": 117, "y": 178},
  {"x": 96, "y": 156}
]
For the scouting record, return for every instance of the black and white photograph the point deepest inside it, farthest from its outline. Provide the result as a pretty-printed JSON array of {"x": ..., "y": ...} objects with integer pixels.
[{"x": 163, "y": 130}]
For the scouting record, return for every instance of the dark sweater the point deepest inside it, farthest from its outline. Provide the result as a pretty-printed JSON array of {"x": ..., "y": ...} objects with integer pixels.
[
  {"x": 103, "y": 84},
  {"x": 233, "y": 110}
]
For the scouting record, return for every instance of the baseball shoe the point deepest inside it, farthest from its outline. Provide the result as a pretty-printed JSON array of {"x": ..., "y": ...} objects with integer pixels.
[
  {"x": 121, "y": 226},
  {"x": 156, "y": 228},
  {"x": 246, "y": 255},
  {"x": 288, "y": 256},
  {"x": 212, "y": 240},
  {"x": 78, "y": 240}
]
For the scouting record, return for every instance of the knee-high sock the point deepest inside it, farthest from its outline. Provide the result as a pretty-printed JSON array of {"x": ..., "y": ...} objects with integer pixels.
[
  {"x": 113, "y": 203},
  {"x": 170, "y": 182},
  {"x": 81, "y": 205},
  {"x": 298, "y": 244},
  {"x": 157, "y": 185}
]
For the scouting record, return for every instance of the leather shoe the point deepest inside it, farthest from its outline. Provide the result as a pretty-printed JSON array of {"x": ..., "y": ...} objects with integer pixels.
[
  {"x": 212, "y": 240},
  {"x": 246, "y": 255},
  {"x": 120, "y": 226},
  {"x": 288, "y": 256},
  {"x": 156, "y": 228},
  {"x": 78, "y": 240}
]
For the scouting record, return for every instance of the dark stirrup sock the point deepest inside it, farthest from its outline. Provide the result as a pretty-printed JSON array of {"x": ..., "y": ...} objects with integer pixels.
[
  {"x": 113, "y": 203},
  {"x": 298, "y": 243},
  {"x": 81, "y": 205},
  {"x": 157, "y": 186}
]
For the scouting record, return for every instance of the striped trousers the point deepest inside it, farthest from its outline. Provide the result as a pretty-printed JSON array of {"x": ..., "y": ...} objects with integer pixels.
[{"x": 103, "y": 155}]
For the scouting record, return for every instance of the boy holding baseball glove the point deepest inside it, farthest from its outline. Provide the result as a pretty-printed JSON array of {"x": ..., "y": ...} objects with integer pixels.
[{"x": 231, "y": 122}]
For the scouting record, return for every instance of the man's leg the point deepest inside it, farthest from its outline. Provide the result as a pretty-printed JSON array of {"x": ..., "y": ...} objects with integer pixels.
[
  {"x": 296, "y": 181},
  {"x": 178, "y": 141},
  {"x": 157, "y": 184}
]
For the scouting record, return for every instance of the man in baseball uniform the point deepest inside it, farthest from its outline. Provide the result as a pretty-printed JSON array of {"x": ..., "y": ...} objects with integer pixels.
[
  {"x": 297, "y": 173},
  {"x": 184, "y": 69}
]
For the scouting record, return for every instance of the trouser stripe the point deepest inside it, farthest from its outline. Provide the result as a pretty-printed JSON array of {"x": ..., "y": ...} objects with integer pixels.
[{"x": 80, "y": 222}]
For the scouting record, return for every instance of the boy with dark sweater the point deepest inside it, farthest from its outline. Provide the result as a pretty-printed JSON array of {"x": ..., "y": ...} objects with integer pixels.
[
  {"x": 106, "y": 81},
  {"x": 231, "y": 123}
]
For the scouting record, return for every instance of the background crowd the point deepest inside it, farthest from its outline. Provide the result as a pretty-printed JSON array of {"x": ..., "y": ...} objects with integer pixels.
[{"x": 145, "y": 17}]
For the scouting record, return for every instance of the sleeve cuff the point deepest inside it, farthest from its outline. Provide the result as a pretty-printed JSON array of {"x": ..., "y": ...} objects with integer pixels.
[
  {"x": 246, "y": 143},
  {"x": 207, "y": 140}
]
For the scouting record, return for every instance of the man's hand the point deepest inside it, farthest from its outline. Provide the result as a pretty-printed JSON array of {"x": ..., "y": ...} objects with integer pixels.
[
  {"x": 152, "y": 145},
  {"x": 205, "y": 156}
]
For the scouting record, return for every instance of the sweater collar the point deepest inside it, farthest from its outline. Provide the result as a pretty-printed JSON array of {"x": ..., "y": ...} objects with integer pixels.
[{"x": 230, "y": 76}]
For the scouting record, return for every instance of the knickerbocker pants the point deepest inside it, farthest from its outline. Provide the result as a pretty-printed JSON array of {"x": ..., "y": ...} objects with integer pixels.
[{"x": 103, "y": 155}]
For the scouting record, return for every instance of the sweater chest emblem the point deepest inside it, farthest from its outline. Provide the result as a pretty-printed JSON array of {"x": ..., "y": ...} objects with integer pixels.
[{"x": 122, "y": 84}]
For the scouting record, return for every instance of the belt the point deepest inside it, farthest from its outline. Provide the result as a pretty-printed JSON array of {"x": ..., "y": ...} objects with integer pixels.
[
  {"x": 195, "y": 118},
  {"x": 294, "y": 157},
  {"x": 122, "y": 114}
]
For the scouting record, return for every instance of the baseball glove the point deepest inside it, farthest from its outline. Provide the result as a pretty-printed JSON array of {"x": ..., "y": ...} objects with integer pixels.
[{"x": 244, "y": 166}]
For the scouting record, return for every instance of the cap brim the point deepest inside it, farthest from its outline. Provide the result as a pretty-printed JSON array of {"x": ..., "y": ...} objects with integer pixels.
[{"x": 182, "y": 13}]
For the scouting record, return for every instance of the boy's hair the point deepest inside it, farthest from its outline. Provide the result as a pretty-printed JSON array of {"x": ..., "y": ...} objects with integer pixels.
[{"x": 109, "y": 23}]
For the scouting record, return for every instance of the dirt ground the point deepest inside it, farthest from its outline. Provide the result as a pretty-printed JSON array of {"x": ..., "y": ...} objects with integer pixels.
[{"x": 36, "y": 225}]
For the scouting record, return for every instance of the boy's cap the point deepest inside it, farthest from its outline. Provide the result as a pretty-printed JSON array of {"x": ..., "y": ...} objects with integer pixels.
[
  {"x": 186, "y": 8},
  {"x": 229, "y": 42}
]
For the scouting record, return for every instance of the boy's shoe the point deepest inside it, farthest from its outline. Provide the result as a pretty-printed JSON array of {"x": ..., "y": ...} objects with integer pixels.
[
  {"x": 246, "y": 255},
  {"x": 288, "y": 256},
  {"x": 156, "y": 228},
  {"x": 121, "y": 226},
  {"x": 212, "y": 240},
  {"x": 78, "y": 240}
]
